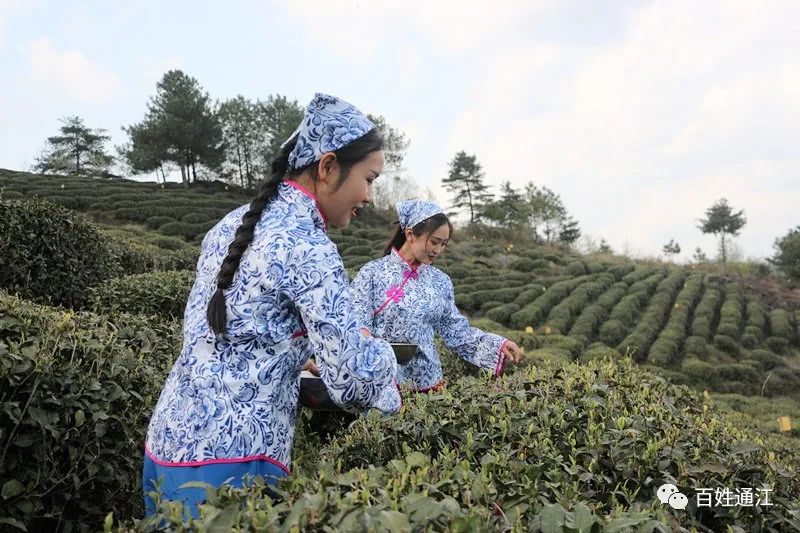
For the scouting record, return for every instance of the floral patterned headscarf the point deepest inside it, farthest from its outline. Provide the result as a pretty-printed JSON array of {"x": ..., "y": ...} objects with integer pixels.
[
  {"x": 412, "y": 212},
  {"x": 329, "y": 123}
]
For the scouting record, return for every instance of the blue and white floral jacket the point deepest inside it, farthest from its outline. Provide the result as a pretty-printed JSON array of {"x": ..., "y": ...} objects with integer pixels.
[
  {"x": 234, "y": 397},
  {"x": 402, "y": 304}
]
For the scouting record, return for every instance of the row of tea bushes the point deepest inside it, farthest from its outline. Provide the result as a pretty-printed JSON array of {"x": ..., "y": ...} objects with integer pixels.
[
  {"x": 626, "y": 312},
  {"x": 563, "y": 315},
  {"x": 731, "y": 315},
  {"x": 180, "y": 212},
  {"x": 667, "y": 346},
  {"x": 551, "y": 448},
  {"x": 706, "y": 311},
  {"x": 592, "y": 316},
  {"x": 157, "y": 293},
  {"x": 54, "y": 255},
  {"x": 755, "y": 322},
  {"x": 78, "y": 392},
  {"x": 654, "y": 317},
  {"x": 535, "y": 312}
]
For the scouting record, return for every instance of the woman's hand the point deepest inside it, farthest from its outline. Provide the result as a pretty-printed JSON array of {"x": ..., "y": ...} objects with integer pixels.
[
  {"x": 311, "y": 366},
  {"x": 512, "y": 352}
]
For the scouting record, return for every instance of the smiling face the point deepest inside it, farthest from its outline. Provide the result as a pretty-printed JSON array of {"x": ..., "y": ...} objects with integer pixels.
[
  {"x": 427, "y": 247},
  {"x": 355, "y": 192}
]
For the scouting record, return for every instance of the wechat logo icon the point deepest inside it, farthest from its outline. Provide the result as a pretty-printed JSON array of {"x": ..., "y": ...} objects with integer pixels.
[{"x": 669, "y": 493}]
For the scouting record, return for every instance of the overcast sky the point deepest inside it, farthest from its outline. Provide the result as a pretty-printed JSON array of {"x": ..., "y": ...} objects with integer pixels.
[{"x": 640, "y": 114}]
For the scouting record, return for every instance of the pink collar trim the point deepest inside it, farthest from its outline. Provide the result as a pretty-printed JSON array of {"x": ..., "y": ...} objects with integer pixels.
[
  {"x": 310, "y": 195},
  {"x": 413, "y": 268}
]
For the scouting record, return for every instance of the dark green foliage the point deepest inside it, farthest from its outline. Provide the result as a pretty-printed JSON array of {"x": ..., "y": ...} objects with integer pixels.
[
  {"x": 481, "y": 444},
  {"x": 185, "y": 230},
  {"x": 731, "y": 315},
  {"x": 666, "y": 348},
  {"x": 523, "y": 264},
  {"x": 707, "y": 309},
  {"x": 49, "y": 254},
  {"x": 696, "y": 347},
  {"x": 502, "y": 313},
  {"x": 535, "y": 312},
  {"x": 194, "y": 218},
  {"x": 654, "y": 317},
  {"x": 158, "y": 293},
  {"x": 779, "y": 324},
  {"x": 77, "y": 396},
  {"x": 576, "y": 268},
  {"x": 727, "y": 345},
  {"x": 697, "y": 371},
  {"x": 766, "y": 359},
  {"x": 621, "y": 271},
  {"x": 755, "y": 322},
  {"x": 778, "y": 344},
  {"x": 562, "y": 316},
  {"x": 638, "y": 274},
  {"x": 787, "y": 254}
]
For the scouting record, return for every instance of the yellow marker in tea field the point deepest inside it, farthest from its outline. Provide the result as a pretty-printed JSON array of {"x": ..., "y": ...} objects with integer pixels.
[
  {"x": 529, "y": 329},
  {"x": 706, "y": 395},
  {"x": 784, "y": 424},
  {"x": 547, "y": 330}
]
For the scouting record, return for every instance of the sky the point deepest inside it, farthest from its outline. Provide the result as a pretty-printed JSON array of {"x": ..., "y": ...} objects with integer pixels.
[{"x": 640, "y": 114}]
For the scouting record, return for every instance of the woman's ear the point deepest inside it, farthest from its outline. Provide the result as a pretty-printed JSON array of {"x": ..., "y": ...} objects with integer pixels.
[
  {"x": 409, "y": 235},
  {"x": 326, "y": 169}
]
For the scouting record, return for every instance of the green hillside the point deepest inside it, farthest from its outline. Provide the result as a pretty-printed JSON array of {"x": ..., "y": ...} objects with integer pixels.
[{"x": 576, "y": 438}]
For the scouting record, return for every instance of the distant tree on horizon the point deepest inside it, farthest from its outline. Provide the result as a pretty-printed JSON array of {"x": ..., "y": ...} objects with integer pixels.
[
  {"x": 699, "y": 255},
  {"x": 465, "y": 181},
  {"x": 787, "y": 254},
  {"x": 180, "y": 126},
  {"x": 671, "y": 248},
  {"x": 78, "y": 150},
  {"x": 722, "y": 220}
]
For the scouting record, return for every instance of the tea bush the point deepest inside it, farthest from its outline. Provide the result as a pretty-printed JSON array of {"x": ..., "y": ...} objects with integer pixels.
[
  {"x": 696, "y": 346},
  {"x": 727, "y": 345},
  {"x": 654, "y": 317},
  {"x": 732, "y": 312},
  {"x": 77, "y": 396},
  {"x": 667, "y": 345},
  {"x": 562, "y": 316},
  {"x": 536, "y": 311},
  {"x": 537, "y": 450},
  {"x": 707, "y": 309},
  {"x": 754, "y": 324},
  {"x": 155, "y": 222},
  {"x": 576, "y": 268},
  {"x": 158, "y": 293},
  {"x": 779, "y": 324},
  {"x": 778, "y": 344},
  {"x": 502, "y": 313},
  {"x": 195, "y": 218},
  {"x": 49, "y": 253}
]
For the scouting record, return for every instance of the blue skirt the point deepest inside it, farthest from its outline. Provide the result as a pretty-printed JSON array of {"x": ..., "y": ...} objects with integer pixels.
[{"x": 168, "y": 479}]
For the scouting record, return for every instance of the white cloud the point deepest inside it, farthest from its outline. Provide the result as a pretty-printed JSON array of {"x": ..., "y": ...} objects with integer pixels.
[
  {"x": 358, "y": 29},
  {"x": 634, "y": 134},
  {"x": 73, "y": 72}
]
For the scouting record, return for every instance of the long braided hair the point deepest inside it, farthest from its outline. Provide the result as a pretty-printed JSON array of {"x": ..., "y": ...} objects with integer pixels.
[{"x": 346, "y": 157}]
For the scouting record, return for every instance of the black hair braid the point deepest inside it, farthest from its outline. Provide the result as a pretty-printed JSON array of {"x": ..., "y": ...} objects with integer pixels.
[
  {"x": 347, "y": 156},
  {"x": 216, "y": 313}
]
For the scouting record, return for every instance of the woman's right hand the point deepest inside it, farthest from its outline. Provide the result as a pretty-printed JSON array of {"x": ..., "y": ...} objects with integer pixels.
[{"x": 311, "y": 366}]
